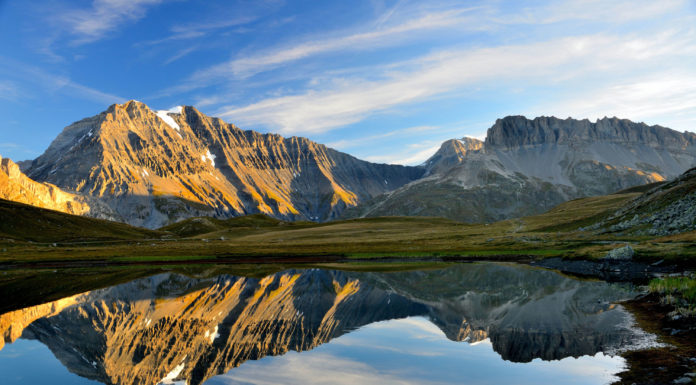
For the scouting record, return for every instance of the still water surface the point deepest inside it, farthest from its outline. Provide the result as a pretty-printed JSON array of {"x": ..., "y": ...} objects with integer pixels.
[{"x": 479, "y": 323}]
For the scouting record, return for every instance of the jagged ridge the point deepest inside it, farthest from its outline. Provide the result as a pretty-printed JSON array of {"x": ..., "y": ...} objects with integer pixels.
[
  {"x": 154, "y": 168},
  {"x": 525, "y": 167}
]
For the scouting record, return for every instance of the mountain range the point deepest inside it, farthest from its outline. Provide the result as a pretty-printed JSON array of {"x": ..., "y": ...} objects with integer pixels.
[
  {"x": 152, "y": 168},
  {"x": 526, "y": 167}
]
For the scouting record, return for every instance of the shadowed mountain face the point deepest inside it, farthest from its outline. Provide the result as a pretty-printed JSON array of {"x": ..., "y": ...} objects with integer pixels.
[
  {"x": 170, "y": 327},
  {"x": 664, "y": 210},
  {"x": 526, "y": 167},
  {"x": 153, "y": 168}
]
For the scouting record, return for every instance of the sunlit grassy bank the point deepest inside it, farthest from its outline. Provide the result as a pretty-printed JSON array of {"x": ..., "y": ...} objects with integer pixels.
[{"x": 33, "y": 235}]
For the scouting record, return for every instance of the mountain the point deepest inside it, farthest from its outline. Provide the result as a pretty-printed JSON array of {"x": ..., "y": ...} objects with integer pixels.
[
  {"x": 177, "y": 328},
  {"x": 525, "y": 167},
  {"x": 17, "y": 187},
  {"x": 153, "y": 168}
]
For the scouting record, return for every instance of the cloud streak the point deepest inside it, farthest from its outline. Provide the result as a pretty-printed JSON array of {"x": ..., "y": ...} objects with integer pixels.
[
  {"x": 668, "y": 99},
  {"x": 252, "y": 64},
  {"x": 547, "y": 63},
  {"x": 93, "y": 23},
  {"x": 315, "y": 368},
  {"x": 411, "y": 155},
  {"x": 48, "y": 82}
]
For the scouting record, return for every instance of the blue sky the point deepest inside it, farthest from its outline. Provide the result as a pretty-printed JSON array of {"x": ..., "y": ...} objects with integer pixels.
[{"x": 386, "y": 81}]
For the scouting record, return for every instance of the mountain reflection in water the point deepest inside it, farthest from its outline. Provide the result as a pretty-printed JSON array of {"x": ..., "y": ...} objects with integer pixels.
[{"x": 171, "y": 327}]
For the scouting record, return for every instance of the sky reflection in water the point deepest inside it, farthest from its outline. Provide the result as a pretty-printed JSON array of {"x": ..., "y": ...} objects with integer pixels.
[{"x": 414, "y": 351}]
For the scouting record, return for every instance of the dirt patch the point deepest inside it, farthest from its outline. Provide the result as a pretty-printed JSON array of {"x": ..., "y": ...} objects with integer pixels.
[{"x": 662, "y": 365}]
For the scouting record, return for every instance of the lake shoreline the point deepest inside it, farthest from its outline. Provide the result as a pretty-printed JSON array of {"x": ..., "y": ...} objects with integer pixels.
[
  {"x": 654, "y": 365},
  {"x": 666, "y": 364}
]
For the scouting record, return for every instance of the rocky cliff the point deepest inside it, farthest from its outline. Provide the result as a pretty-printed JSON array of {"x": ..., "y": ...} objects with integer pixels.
[
  {"x": 15, "y": 186},
  {"x": 526, "y": 167},
  {"x": 517, "y": 131},
  {"x": 156, "y": 167}
]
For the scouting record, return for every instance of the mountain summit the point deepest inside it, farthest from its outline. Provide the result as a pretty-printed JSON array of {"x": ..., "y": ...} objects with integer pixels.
[
  {"x": 527, "y": 166},
  {"x": 156, "y": 167}
]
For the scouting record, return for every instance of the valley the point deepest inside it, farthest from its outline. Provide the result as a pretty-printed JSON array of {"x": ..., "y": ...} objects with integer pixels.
[{"x": 367, "y": 192}]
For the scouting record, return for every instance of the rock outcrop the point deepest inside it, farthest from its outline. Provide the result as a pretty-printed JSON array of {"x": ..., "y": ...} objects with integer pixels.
[
  {"x": 156, "y": 167},
  {"x": 664, "y": 210},
  {"x": 17, "y": 187},
  {"x": 526, "y": 167}
]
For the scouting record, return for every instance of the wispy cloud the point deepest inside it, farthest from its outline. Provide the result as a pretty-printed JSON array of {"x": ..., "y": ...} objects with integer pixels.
[
  {"x": 198, "y": 30},
  {"x": 104, "y": 16},
  {"x": 252, "y": 64},
  {"x": 350, "y": 143},
  {"x": 549, "y": 62},
  {"x": 9, "y": 145},
  {"x": 408, "y": 155},
  {"x": 668, "y": 99},
  {"x": 317, "y": 368},
  {"x": 9, "y": 90},
  {"x": 478, "y": 18},
  {"x": 595, "y": 10},
  {"x": 181, "y": 53},
  {"x": 47, "y": 82}
]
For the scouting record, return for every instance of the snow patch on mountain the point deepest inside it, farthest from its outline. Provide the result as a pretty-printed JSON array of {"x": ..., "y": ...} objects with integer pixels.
[
  {"x": 164, "y": 115},
  {"x": 169, "y": 378},
  {"x": 208, "y": 156}
]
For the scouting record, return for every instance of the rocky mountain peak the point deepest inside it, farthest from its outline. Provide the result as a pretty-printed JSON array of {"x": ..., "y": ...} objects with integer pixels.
[
  {"x": 452, "y": 152},
  {"x": 527, "y": 166},
  {"x": 9, "y": 167},
  {"x": 156, "y": 167},
  {"x": 471, "y": 144}
]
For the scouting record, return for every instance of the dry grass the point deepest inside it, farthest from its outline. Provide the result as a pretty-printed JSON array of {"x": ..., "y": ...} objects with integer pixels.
[{"x": 247, "y": 238}]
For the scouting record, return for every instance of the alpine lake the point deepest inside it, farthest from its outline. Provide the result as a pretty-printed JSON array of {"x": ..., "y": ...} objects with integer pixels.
[{"x": 474, "y": 323}]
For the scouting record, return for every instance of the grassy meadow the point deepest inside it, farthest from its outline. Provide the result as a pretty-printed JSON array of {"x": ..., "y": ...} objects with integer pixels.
[{"x": 33, "y": 239}]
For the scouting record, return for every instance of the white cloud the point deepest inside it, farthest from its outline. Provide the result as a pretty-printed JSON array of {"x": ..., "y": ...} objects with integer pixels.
[
  {"x": 350, "y": 143},
  {"x": 251, "y": 64},
  {"x": 479, "y": 18},
  {"x": 103, "y": 17},
  {"x": 410, "y": 156},
  {"x": 181, "y": 53},
  {"x": 317, "y": 368},
  {"x": 601, "y": 10},
  {"x": 198, "y": 30},
  {"x": 668, "y": 99},
  {"x": 542, "y": 63}
]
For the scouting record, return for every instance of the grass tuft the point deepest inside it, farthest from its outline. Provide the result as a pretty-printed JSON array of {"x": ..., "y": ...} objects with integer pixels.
[{"x": 679, "y": 292}]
